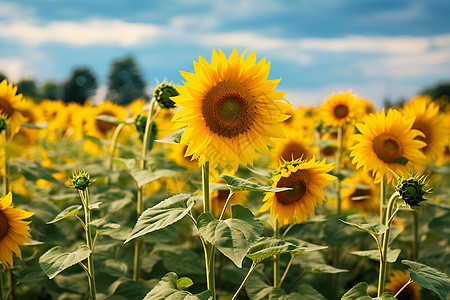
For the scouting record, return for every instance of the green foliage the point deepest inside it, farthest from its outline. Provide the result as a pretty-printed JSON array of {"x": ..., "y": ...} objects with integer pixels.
[
  {"x": 375, "y": 254},
  {"x": 142, "y": 176},
  {"x": 28, "y": 88},
  {"x": 55, "y": 260},
  {"x": 238, "y": 184},
  {"x": 233, "y": 237},
  {"x": 174, "y": 137},
  {"x": 81, "y": 85},
  {"x": 429, "y": 278},
  {"x": 67, "y": 212},
  {"x": 168, "y": 288},
  {"x": 359, "y": 292},
  {"x": 33, "y": 170}
]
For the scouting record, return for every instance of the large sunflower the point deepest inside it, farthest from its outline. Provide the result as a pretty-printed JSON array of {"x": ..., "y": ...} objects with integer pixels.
[
  {"x": 397, "y": 280},
  {"x": 307, "y": 179},
  {"x": 431, "y": 123},
  {"x": 386, "y": 141},
  {"x": 9, "y": 102},
  {"x": 339, "y": 109},
  {"x": 13, "y": 230},
  {"x": 230, "y": 109}
]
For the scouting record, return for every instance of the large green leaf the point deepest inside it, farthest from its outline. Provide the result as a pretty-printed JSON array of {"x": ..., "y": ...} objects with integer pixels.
[
  {"x": 40, "y": 125},
  {"x": 317, "y": 267},
  {"x": 33, "y": 170},
  {"x": 233, "y": 237},
  {"x": 67, "y": 212},
  {"x": 373, "y": 228},
  {"x": 142, "y": 176},
  {"x": 429, "y": 278},
  {"x": 359, "y": 292},
  {"x": 168, "y": 288},
  {"x": 268, "y": 247},
  {"x": 174, "y": 137},
  {"x": 375, "y": 254},
  {"x": 238, "y": 184},
  {"x": 56, "y": 260},
  {"x": 441, "y": 225},
  {"x": 162, "y": 215}
]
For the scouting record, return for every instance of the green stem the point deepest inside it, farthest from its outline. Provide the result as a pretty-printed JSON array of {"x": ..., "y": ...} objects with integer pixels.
[
  {"x": 225, "y": 206},
  {"x": 415, "y": 241},
  {"x": 382, "y": 198},
  {"x": 338, "y": 169},
  {"x": 276, "y": 259},
  {"x": 208, "y": 248},
  {"x": 140, "y": 190},
  {"x": 244, "y": 281},
  {"x": 5, "y": 165},
  {"x": 384, "y": 244},
  {"x": 287, "y": 269},
  {"x": 87, "y": 219},
  {"x": 1, "y": 284},
  {"x": 403, "y": 287},
  {"x": 112, "y": 149}
]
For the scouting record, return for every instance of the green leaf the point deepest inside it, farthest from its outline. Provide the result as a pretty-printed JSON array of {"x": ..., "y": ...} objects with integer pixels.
[
  {"x": 33, "y": 170},
  {"x": 97, "y": 141},
  {"x": 441, "y": 225},
  {"x": 102, "y": 225},
  {"x": 358, "y": 292},
  {"x": 162, "y": 215},
  {"x": 174, "y": 137},
  {"x": 67, "y": 212},
  {"x": 307, "y": 292},
  {"x": 373, "y": 228},
  {"x": 233, "y": 237},
  {"x": 315, "y": 267},
  {"x": 429, "y": 278},
  {"x": 40, "y": 125},
  {"x": 184, "y": 282},
  {"x": 168, "y": 288},
  {"x": 129, "y": 289},
  {"x": 375, "y": 254},
  {"x": 238, "y": 184},
  {"x": 56, "y": 260},
  {"x": 268, "y": 247},
  {"x": 142, "y": 176},
  {"x": 109, "y": 119}
]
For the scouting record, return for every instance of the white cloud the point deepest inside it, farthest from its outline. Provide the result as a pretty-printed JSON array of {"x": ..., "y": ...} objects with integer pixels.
[
  {"x": 14, "y": 68},
  {"x": 83, "y": 33}
]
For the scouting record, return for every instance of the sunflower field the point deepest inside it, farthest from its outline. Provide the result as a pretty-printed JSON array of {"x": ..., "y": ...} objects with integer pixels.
[{"x": 219, "y": 189}]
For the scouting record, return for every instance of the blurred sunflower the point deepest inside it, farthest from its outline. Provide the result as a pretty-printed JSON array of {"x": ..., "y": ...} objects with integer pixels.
[
  {"x": 27, "y": 136},
  {"x": 80, "y": 120},
  {"x": 360, "y": 192},
  {"x": 14, "y": 232},
  {"x": 386, "y": 141},
  {"x": 307, "y": 178},
  {"x": 219, "y": 198},
  {"x": 230, "y": 109},
  {"x": 9, "y": 102},
  {"x": 431, "y": 123},
  {"x": 397, "y": 279},
  {"x": 296, "y": 145},
  {"x": 339, "y": 109},
  {"x": 56, "y": 114},
  {"x": 102, "y": 129}
]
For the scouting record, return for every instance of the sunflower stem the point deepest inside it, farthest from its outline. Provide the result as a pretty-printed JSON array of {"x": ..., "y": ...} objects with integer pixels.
[
  {"x": 382, "y": 198},
  {"x": 403, "y": 287},
  {"x": 5, "y": 164},
  {"x": 415, "y": 240},
  {"x": 384, "y": 244},
  {"x": 338, "y": 168},
  {"x": 244, "y": 281},
  {"x": 208, "y": 247},
  {"x": 276, "y": 258},
  {"x": 287, "y": 269},
  {"x": 140, "y": 190},
  {"x": 84, "y": 194},
  {"x": 225, "y": 205},
  {"x": 112, "y": 149}
]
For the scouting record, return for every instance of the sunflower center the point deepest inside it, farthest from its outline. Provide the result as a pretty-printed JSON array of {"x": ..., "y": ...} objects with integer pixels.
[
  {"x": 359, "y": 193},
  {"x": 3, "y": 225},
  {"x": 297, "y": 181},
  {"x": 328, "y": 151},
  {"x": 341, "y": 111},
  {"x": 228, "y": 109},
  {"x": 103, "y": 126},
  {"x": 6, "y": 108},
  {"x": 387, "y": 148},
  {"x": 294, "y": 150}
]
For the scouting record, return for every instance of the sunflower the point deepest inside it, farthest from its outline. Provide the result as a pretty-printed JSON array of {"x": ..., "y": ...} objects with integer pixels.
[
  {"x": 360, "y": 192},
  {"x": 397, "y": 279},
  {"x": 9, "y": 102},
  {"x": 230, "y": 109},
  {"x": 386, "y": 141},
  {"x": 339, "y": 109},
  {"x": 296, "y": 145},
  {"x": 307, "y": 178},
  {"x": 56, "y": 114},
  {"x": 13, "y": 230},
  {"x": 102, "y": 129},
  {"x": 431, "y": 123}
]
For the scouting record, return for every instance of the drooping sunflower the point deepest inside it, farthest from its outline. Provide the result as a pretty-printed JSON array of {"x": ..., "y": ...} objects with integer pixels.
[
  {"x": 14, "y": 232},
  {"x": 9, "y": 102},
  {"x": 307, "y": 178},
  {"x": 339, "y": 109},
  {"x": 360, "y": 192},
  {"x": 386, "y": 141},
  {"x": 397, "y": 280},
  {"x": 431, "y": 123},
  {"x": 230, "y": 109}
]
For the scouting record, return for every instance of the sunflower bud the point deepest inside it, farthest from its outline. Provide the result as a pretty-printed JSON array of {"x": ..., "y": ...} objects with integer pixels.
[
  {"x": 162, "y": 94},
  {"x": 3, "y": 123},
  {"x": 140, "y": 123},
  {"x": 80, "y": 180},
  {"x": 412, "y": 190}
]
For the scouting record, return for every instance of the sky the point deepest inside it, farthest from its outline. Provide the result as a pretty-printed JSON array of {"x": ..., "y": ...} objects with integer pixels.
[{"x": 378, "y": 49}]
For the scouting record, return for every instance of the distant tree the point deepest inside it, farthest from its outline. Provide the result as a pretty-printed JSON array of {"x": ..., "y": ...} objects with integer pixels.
[
  {"x": 440, "y": 93},
  {"x": 2, "y": 77},
  {"x": 49, "y": 90},
  {"x": 81, "y": 85},
  {"x": 28, "y": 88},
  {"x": 125, "y": 81}
]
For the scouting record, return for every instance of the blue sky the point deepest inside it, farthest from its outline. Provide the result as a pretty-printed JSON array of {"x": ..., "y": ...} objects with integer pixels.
[{"x": 376, "y": 48}]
